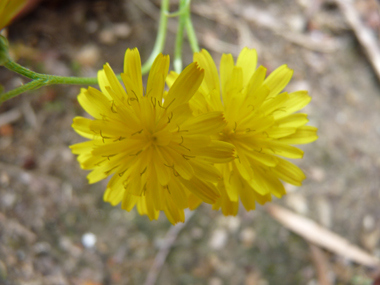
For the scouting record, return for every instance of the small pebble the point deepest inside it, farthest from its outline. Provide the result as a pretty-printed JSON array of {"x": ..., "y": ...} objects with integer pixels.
[
  {"x": 4, "y": 179},
  {"x": 218, "y": 239},
  {"x": 88, "y": 55},
  {"x": 247, "y": 236},
  {"x": 122, "y": 30},
  {"x": 369, "y": 222},
  {"x": 107, "y": 37},
  {"x": 197, "y": 233},
  {"x": 8, "y": 199},
  {"x": 298, "y": 203},
  {"x": 215, "y": 281},
  {"x": 88, "y": 240}
]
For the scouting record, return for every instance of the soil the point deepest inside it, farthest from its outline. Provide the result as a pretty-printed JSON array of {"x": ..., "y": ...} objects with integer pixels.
[{"x": 47, "y": 206}]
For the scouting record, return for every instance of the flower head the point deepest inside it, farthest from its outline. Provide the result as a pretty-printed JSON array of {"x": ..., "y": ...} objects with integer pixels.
[
  {"x": 160, "y": 155},
  {"x": 261, "y": 124},
  {"x": 9, "y": 9}
]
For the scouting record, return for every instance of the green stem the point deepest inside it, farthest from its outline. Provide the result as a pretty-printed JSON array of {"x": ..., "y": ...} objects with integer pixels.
[
  {"x": 39, "y": 80},
  {"x": 161, "y": 36},
  {"x": 49, "y": 79},
  {"x": 179, "y": 39},
  {"x": 191, "y": 32},
  {"x": 33, "y": 85},
  {"x": 179, "y": 12}
]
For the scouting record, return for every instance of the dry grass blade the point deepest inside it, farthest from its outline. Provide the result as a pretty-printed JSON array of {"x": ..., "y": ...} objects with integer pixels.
[
  {"x": 10, "y": 116},
  {"x": 160, "y": 258},
  {"x": 266, "y": 20},
  {"x": 321, "y": 264},
  {"x": 364, "y": 35},
  {"x": 320, "y": 236}
]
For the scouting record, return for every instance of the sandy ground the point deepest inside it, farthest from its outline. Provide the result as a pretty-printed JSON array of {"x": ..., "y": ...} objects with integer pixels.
[{"x": 47, "y": 206}]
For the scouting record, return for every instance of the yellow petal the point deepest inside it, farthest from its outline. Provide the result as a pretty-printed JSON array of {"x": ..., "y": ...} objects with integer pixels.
[
  {"x": 178, "y": 194},
  {"x": 88, "y": 161},
  {"x": 247, "y": 196},
  {"x": 97, "y": 174},
  {"x": 114, "y": 197},
  {"x": 229, "y": 208},
  {"x": 129, "y": 147},
  {"x": 9, "y": 9},
  {"x": 247, "y": 60},
  {"x": 184, "y": 87},
  {"x": 297, "y": 100},
  {"x": 206, "y": 191},
  {"x": 89, "y": 105},
  {"x": 194, "y": 201},
  {"x": 289, "y": 172},
  {"x": 157, "y": 75},
  {"x": 155, "y": 190},
  {"x": 207, "y": 123},
  {"x": 303, "y": 135},
  {"x": 103, "y": 83},
  {"x": 132, "y": 73},
  {"x": 233, "y": 184},
  {"x": 278, "y": 79},
  {"x": 83, "y": 147},
  {"x": 129, "y": 201},
  {"x": 115, "y": 191},
  {"x": 292, "y": 121},
  {"x": 274, "y": 103},
  {"x": 256, "y": 81},
  {"x": 145, "y": 207},
  {"x": 179, "y": 163},
  {"x": 281, "y": 148},
  {"x": 233, "y": 88},
  {"x": 263, "y": 158},
  {"x": 82, "y": 126},
  {"x": 172, "y": 212},
  {"x": 276, "y": 132},
  {"x": 171, "y": 78},
  {"x": 215, "y": 152},
  {"x": 205, "y": 170},
  {"x": 268, "y": 183},
  {"x": 226, "y": 67},
  {"x": 211, "y": 78},
  {"x": 164, "y": 173},
  {"x": 113, "y": 81}
]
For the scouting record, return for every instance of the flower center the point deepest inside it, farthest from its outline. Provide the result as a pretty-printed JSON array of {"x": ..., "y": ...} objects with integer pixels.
[{"x": 160, "y": 138}]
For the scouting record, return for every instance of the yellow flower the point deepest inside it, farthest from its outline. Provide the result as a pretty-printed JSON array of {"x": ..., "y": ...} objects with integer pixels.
[
  {"x": 159, "y": 154},
  {"x": 261, "y": 125},
  {"x": 9, "y": 9}
]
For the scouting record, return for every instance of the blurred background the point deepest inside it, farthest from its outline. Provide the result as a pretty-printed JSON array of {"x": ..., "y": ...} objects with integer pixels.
[{"x": 55, "y": 227}]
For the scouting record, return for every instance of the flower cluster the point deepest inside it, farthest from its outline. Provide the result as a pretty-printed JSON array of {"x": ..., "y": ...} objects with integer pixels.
[{"x": 203, "y": 140}]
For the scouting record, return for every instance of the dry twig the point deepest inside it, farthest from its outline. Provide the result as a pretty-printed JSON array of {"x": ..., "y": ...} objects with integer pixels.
[
  {"x": 364, "y": 35},
  {"x": 321, "y": 264},
  {"x": 160, "y": 258},
  {"x": 10, "y": 116},
  {"x": 268, "y": 21},
  {"x": 320, "y": 236}
]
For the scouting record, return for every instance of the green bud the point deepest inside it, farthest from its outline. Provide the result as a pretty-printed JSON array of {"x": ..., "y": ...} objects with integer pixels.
[{"x": 4, "y": 56}]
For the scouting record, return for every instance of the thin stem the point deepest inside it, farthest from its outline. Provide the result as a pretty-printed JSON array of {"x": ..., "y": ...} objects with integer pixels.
[
  {"x": 179, "y": 39},
  {"x": 161, "y": 36},
  {"x": 180, "y": 11},
  {"x": 30, "y": 86},
  {"x": 11, "y": 65},
  {"x": 39, "y": 80},
  {"x": 191, "y": 32},
  {"x": 49, "y": 79}
]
